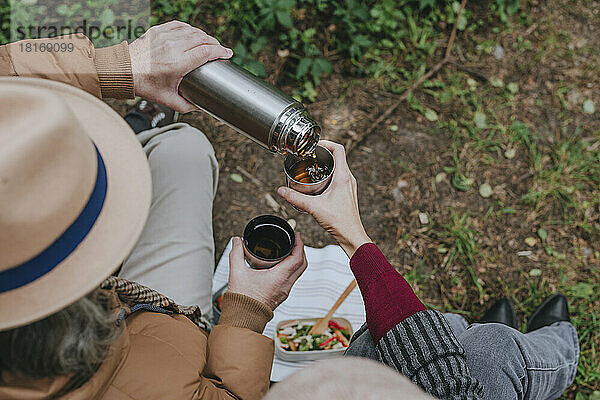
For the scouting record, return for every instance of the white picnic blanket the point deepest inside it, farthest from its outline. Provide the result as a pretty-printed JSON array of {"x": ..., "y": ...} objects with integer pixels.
[{"x": 326, "y": 277}]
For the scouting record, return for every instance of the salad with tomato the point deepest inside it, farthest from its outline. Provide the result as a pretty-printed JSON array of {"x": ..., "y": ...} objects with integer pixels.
[{"x": 294, "y": 336}]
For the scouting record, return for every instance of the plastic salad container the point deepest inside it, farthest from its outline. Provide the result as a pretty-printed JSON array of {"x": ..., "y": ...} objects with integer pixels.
[{"x": 292, "y": 343}]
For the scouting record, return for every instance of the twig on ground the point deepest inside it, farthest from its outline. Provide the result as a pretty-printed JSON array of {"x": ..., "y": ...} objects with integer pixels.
[
  {"x": 352, "y": 142},
  {"x": 471, "y": 71},
  {"x": 526, "y": 176},
  {"x": 248, "y": 175},
  {"x": 532, "y": 28},
  {"x": 454, "y": 28},
  {"x": 271, "y": 202},
  {"x": 444, "y": 296},
  {"x": 275, "y": 206}
]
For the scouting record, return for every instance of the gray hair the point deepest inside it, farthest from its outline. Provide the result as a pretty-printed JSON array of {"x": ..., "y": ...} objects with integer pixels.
[
  {"x": 349, "y": 378},
  {"x": 72, "y": 342}
]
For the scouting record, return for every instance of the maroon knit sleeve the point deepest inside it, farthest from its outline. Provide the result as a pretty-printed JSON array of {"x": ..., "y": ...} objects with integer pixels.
[{"x": 388, "y": 298}]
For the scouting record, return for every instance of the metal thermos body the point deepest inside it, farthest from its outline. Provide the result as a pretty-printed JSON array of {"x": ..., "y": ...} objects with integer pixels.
[{"x": 252, "y": 107}]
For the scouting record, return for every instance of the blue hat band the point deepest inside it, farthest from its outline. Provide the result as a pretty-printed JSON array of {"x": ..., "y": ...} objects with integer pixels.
[{"x": 62, "y": 247}]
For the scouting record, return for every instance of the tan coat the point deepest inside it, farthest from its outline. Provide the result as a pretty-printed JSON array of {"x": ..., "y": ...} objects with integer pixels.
[{"x": 157, "y": 356}]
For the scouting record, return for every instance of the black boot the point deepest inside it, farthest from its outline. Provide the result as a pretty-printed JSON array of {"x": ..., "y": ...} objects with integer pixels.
[
  {"x": 553, "y": 309},
  {"x": 147, "y": 115},
  {"x": 502, "y": 312}
]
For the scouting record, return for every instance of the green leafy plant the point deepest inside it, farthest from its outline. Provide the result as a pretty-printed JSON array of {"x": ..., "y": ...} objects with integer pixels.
[
  {"x": 183, "y": 10},
  {"x": 4, "y": 22},
  {"x": 506, "y": 8},
  {"x": 247, "y": 57},
  {"x": 460, "y": 238},
  {"x": 569, "y": 170},
  {"x": 388, "y": 39}
]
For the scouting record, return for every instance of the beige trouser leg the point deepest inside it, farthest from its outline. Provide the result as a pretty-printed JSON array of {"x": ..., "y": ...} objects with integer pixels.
[{"x": 175, "y": 254}]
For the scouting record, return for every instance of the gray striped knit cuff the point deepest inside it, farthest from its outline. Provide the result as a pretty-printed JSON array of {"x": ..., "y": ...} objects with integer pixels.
[{"x": 424, "y": 349}]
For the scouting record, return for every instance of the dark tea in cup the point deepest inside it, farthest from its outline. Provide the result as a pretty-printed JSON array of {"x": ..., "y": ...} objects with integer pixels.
[{"x": 267, "y": 239}]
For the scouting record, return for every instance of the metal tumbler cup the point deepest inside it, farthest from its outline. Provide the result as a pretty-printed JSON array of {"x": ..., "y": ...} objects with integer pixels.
[
  {"x": 252, "y": 107},
  {"x": 296, "y": 176},
  {"x": 267, "y": 240}
]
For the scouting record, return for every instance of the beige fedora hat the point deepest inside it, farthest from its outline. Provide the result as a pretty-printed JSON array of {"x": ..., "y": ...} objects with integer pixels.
[{"x": 75, "y": 192}]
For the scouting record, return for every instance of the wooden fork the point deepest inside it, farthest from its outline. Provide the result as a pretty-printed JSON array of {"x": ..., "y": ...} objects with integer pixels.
[{"x": 323, "y": 323}]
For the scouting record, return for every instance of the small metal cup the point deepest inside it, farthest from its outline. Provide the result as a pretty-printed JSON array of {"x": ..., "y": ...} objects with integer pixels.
[
  {"x": 280, "y": 227},
  {"x": 324, "y": 157}
]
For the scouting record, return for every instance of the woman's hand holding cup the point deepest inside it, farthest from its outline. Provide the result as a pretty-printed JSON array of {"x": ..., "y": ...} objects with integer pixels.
[{"x": 336, "y": 209}]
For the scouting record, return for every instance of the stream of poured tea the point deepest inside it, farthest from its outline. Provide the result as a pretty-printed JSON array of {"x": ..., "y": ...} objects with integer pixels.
[{"x": 308, "y": 170}]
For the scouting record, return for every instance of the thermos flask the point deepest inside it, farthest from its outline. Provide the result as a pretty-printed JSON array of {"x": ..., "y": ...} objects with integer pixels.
[{"x": 252, "y": 107}]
